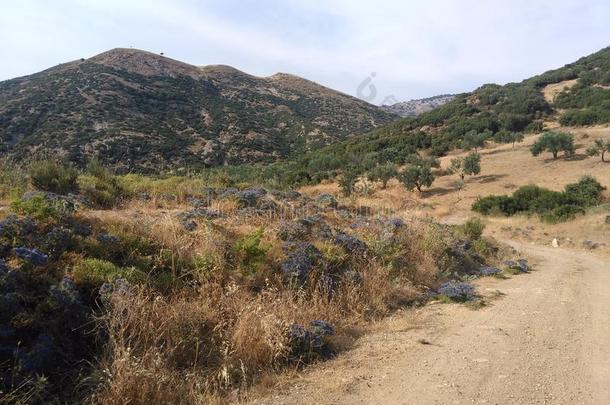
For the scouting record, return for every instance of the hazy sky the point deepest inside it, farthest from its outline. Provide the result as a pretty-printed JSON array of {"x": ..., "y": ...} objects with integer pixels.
[{"x": 414, "y": 48}]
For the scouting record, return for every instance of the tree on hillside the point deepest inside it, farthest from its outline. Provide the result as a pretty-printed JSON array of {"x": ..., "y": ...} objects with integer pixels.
[
  {"x": 347, "y": 181},
  {"x": 416, "y": 176},
  {"x": 554, "y": 142},
  {"x": 599, "y": 147},
  {"x": 475, "y": 140},
  {"x": 505, "y": 136},
  {"x": 415, "y": 159},
  {"x": 466, "y": 166},
  {"x": 382, "y": 173}
]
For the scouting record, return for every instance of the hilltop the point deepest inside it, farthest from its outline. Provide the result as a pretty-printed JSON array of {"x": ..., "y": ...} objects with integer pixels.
[{"x": 141, "y": 111}]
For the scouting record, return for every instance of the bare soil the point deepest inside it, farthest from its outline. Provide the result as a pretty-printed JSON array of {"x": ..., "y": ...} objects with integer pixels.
[{"x": 543, "y": 338}]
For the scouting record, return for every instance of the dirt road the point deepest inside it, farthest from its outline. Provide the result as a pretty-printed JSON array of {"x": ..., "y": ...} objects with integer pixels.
[{"x": 545, "y": 341}]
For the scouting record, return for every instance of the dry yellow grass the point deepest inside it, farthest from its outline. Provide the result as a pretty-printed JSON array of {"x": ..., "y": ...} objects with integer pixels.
[
  {"x": 552, "y": 90},
  {"x": 230, "y": 332}
]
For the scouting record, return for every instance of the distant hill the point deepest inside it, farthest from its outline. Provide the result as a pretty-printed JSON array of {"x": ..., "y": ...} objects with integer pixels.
[
  {"x": 413, "y": 108},
  {"x": 142, "y": 111},
  {"x": 577, "y": 94}
]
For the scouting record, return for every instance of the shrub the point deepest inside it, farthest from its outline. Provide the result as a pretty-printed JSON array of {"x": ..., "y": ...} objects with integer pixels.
[
  {"x": 382, "y": 173},
  {"x": 347, "y": 181},
  {"x": 475, "y": 140},
  {"x": 505, "y": 136},
  {"x": 53, "y": 177},
  {"x": 579, "y": 117},
  {"x": 100, "y": 186},
  {"x": 553, "y": 206},
  {"x": 587, "y": 192},
  {"x": 562, "y": 213},
  {"x": 469, "y": 165},
  {"x": 472, "y": 229},
  {"x": 495, "y": 204},
  {"x": 249, "y": 251},
  {"x": 95, "y": 272},
  {"x": 41, "y": 208},
  {"x": 599, "y": 148}
]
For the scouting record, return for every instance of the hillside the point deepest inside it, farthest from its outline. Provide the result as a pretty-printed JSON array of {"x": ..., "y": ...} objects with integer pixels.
[
  {"x": 575, "y": 95},
  {"x": 142, "y": 111},
  {"x": 416, "y": 107}
]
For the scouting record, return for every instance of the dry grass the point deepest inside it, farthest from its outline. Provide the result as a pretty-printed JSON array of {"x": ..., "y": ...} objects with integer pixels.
[
  {"x": 552, "y": 90},
  {"x": 231, "y": 331},
  {"x": 222, "y": 337}
]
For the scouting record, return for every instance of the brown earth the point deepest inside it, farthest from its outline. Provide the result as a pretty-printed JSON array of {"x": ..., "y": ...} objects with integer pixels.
[{"x": 542, "y": 339}]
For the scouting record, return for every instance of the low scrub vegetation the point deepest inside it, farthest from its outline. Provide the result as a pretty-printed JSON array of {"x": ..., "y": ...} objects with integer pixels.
[
  {"x": 552, "y": 206},
  {"x": 114, "y": 288}
]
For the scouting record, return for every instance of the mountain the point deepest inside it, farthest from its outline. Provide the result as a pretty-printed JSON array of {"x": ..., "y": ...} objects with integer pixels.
[
  {"x": 576, "y": 94},
  {"x": 413, "y": 108},
  {"x": 141, "y": 111}
]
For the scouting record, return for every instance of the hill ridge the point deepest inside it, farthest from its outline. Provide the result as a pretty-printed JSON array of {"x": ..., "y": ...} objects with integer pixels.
[{"x": 146, "y": 112}]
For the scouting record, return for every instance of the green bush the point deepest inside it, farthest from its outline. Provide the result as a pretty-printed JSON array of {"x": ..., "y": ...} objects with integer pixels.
[
  {"x": 53, "y": 177},
  {"x": 495, "y": 204},
  {"x": 587, "y": 192},
  {"x": 41, "y": 208},
  {"x": 347, "y": 181},
  {"x": 417, "y": 176},
  {"x": 554, "y": 142},
  {"x": 552, "y": 206},
  {"x": 249, "y": 251},
  {"x": 100, "y": 186},
  {"x": 96, "y": 272},
  {"x": 563, "y": 213},
  {"x": 472, "y": 229}
]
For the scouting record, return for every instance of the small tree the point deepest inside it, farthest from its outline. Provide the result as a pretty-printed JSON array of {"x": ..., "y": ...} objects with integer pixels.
[
  {"x": 417, "y": 160},
  {"x": 475, "y": 140},
  {"x": 508, "y": 137},
  {"x": 466, "y": 166},
  {"x": 347, "y": 181},
  {"x": 382, "y": 173},
  {"x": 417, "y": 176},
  {"x": 554, "y": 142},
  {"x": 600, "y": 147}
]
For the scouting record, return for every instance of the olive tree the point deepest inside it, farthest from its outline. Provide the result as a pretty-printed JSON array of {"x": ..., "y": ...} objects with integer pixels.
[
  {"x": 382, "y": 173},
  {"x": 348, "y": 181},
  {"x": 466, "y": 166},
  {"x": 416, "y": 176},
  {"x": 599, "y": 148},
  {"x": 475, "y": 140},
  {"x": 508, "y": 137},
  {"x": 554, "y": 142}
]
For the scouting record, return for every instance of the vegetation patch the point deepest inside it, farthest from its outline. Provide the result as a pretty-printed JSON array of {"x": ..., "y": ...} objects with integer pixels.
[{"x": 551, "y": 206}]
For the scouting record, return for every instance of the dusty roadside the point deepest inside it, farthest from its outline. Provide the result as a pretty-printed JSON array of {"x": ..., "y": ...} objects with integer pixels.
[{"x": 545, "y": 340}]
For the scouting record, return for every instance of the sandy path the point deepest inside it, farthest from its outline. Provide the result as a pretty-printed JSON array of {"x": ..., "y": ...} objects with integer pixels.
[{"x": 547, "y": 341}]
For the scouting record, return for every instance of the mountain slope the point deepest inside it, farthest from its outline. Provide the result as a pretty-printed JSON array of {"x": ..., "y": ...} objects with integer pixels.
[
  {"x": 416, "y": 107},
  {"x": 583, "y": 99},
  {"x": 144, "y": 111}
]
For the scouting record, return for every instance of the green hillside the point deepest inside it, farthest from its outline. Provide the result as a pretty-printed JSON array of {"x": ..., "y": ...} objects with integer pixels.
[{"x": 139, "y": 111}]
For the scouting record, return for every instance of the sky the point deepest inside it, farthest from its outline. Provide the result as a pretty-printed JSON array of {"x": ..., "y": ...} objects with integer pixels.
[{"x": 380, "y": 51}]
